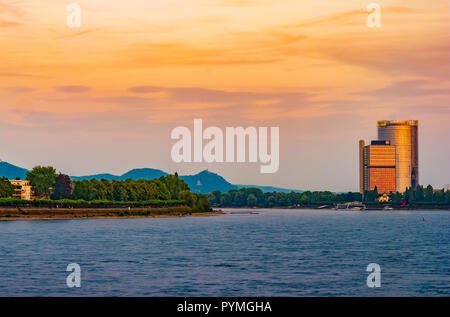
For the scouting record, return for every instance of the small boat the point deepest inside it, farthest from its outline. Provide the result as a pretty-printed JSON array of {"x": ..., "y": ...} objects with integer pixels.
[
  {"x": 354, "y": 206},
  {"x": 388, "y": 208}
]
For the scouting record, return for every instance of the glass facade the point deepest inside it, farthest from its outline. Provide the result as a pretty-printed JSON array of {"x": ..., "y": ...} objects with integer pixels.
[
  {"x": 404, "y": 135},
  {"x": 378, "y": 167},
  {"x": 383, "y": 179}
]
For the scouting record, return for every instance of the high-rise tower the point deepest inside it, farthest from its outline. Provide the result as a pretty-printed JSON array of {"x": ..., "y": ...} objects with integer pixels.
[
  {"x": 404, "y": 135},
  {"x": 377, "y": 166}
]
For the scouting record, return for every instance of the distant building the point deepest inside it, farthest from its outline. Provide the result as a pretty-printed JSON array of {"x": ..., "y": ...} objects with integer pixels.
[
  {"x": 384, "y": 198},
  {"x": 396, "y": 152},
  {"x": 446, "y": 187},
  {"x": 403, "y": 134},
  {"x": 377, "y": 166},
  {"x": 22, "y": 189}
]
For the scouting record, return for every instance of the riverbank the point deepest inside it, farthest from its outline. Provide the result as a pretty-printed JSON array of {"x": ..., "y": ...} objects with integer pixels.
[
  {"x": 33, "y": 213},
  {"x": 327, "y": 207}
]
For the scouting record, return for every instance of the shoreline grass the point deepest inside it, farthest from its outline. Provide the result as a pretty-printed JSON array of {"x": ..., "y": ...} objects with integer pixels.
[{"x": 33, "y": 213}]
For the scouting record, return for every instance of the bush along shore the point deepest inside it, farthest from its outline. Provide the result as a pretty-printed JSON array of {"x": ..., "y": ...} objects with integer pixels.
[
  {"x": 80, "y": 203},
  {"x": 41, "y": 213},
  {"x": 58, "y": 197},
  {"x": 16, "y": 209},
  {"x": 419, "y": 198}
]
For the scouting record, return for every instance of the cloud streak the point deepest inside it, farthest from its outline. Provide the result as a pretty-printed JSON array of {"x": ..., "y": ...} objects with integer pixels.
[
  {"x": 73, "y": 89},
  {"x": 407, "y": 88}
]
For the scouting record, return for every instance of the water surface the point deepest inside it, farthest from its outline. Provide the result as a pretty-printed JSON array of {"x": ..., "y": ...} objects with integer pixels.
[{"x": 272, "y": 253}]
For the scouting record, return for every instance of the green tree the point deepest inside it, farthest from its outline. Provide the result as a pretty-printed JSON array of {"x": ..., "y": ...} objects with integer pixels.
[
  {"x": 420, "y": 196},
  {"x": 238, "y": 199},
  {"x": 188, "y": 197},
  {"x": 439, "y": 196},
  {"x": 410, "y": 196},
  {"x": 81, "y": 189},
  {"x": 294, "y": 198},
  {"x": 217, "y": 195},
  {"x": 396, "y": 198},
  {"x": 63, "y": 187},
  {"x": 271, "y": 201},
  {"x": 202, "y": 203},
  {"x": 226, "y": 200},
  {"x": 174, "y": 184},
  {"x": 429, "y": 193},
  {"x": 6, "y": 188},
  {"x": 350, "y": 196},
  {"x": 119, "y": 192},
  {"x": 252, "y": 200},
  {"x": 42, "y": 178}
]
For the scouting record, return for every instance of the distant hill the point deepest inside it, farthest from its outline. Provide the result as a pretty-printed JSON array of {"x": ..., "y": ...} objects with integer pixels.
[
  {"x": 146, "y": 173},
  {"x": 269, "y": 189},
  {"x": 11, "y": 171},
  {"x": 203, "y": 182},
  {"x": 96, "y": 176},
  {"x": 206, "y": 182}
]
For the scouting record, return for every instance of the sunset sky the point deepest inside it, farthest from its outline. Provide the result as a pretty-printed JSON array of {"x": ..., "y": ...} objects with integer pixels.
[{"x": 104, "y": 97}]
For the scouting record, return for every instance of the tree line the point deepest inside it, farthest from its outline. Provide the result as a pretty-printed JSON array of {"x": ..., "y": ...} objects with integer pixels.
[
  {"x": 254, "y": 197},
  {"x": 49, "y": 185},
  {"x": 6, "y": 188},
  {"x": 419, "y": 195}
]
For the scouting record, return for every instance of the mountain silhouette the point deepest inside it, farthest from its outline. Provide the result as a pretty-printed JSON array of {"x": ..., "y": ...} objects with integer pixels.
[
  {"x": 203, "y": 182},
  {"x": 146, "y": 173},
  {"x": 206, "y": 182},
  {"x": 95, "y": 176},
  {"x": 11, "y": 171}
]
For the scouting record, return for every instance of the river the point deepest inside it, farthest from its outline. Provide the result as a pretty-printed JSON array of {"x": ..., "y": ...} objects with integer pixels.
[{"x": 264, "y": 253}]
